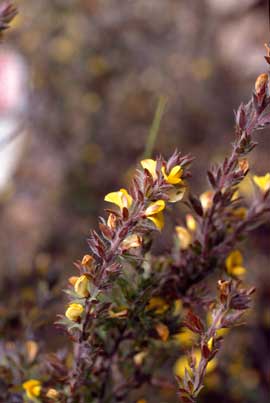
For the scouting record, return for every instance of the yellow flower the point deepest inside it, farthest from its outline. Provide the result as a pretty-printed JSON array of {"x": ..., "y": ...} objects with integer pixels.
[
  {"x": 186, "y": 338},
  {"x": 234, "y": 264},
  {"x": 244, "y": 165},
  {"x": 121, "y": 312},
  {"x": 31, "y": 349},
  {"x": 261, "y": 82},
  {"x": 52, "y": 394},
  {"x": 176, "y": 193},
  {"x": 72, "y": 280},
  {"x": 178, "y": 307},
  {"x": 206, "y": 199},
  {"x": 162, "y": 331},
  {"x": 74, "y": 312},
  {"x": 111, "y": 221},
  {"x": 182, "y": 364},
  {"x": 191, "y": 222},
  {"x": 121, "y": 198},
  {"x": 184, "y": 237},
  {"x": 132, "y": 241},
  {"x": 155, "y": 214},
  {"x": 174, "y": 176},
  {"x": 81, "y": 286},
  {"x": 158, "y": 305},
  {"x": 263, "y": 182},
  {"x": 151, "y": 166},
  {"x": 139, "y": 358},
  {"x": 32, "y": 388},
  {"x": 240, "y": 213}
]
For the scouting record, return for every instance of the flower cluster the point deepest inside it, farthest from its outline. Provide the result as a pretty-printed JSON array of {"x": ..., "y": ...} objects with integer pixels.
[{"x": 129, "y": 310}]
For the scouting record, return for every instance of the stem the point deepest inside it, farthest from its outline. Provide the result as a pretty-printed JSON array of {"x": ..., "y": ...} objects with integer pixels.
[{"x": 152, "y": 137}]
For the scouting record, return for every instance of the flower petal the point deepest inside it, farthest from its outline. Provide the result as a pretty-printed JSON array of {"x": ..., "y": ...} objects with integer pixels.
[
  {"x": 155, "y": 207},
  {"x": 151, "y": 166},
  {"x": 158, "y": 220}
]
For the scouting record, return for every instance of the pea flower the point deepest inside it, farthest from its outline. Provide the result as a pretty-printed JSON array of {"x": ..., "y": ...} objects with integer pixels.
[
  {"x": 261, "y": 82},
  {"x": 74, "y": 312},
  {"x": 151, "y": 166},
  {"x": 186, "y": 338},
  {"x": 87, "y": 261},
  {"x": 72, "y": 280},
  {"x": 182, "y": 364},
  {"x": 163, "y": 331},
  {"x": 53, "y": 394},
  {"x": 206, "y": 199},
  {"x": 81, "y": 286},
  {"x": 121, "y": 198},
  {"x": 174, "y": 176},
  {"x": 158, "y": 305},
  {"x": 131, "y": 241},
  {"x": 176, "y": 193},
  {"x": 191, "y": 222},
  {"x": 120, "y": 312},
  {"x": 32, "y": 388},
  {"x": 184, "y": 237},
  {"x": 154, "y": 213},
  {"x": 234, "y": 264},
  {"x": 139, "y": 358},
  {"x": 263, "y": 182}
]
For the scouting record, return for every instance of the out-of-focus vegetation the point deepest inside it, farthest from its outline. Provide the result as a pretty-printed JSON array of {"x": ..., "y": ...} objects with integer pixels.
[{"x": 97, "y": 69}]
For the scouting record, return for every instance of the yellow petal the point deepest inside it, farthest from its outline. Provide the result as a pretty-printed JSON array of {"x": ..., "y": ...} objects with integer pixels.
[
  {"x": 237, "y": 271},
  {"x": 151, "y": 166},
  {"x": 206, "y": 199},
  {"x": 186, "y": 338},
  {"x": 121, "y": 313},
  {"x": 234, "y": 259},
  {"x": 158, "y": 220},
  {"x": 191, "y": 222},
  {"x": 174, "y": 176},
  {"x": 132, "y": 241},
  {"x": 32, "y": 388},
  {"x": 184, "y": 237},
  {"x": 154, "y": 208},
  {"x": 121, "y": 198},
  {"x": 81, "y": 286},
  {"x": 32, "y": 350},
  {"x": 158, "y": 305},
  {"x": 74, "y": 312},
  {"x": 53, "y": 394},
  {"x": 139, "y": 358},
  {"x": 182, "y": 364},
  {"x": 263, "y": 182}
]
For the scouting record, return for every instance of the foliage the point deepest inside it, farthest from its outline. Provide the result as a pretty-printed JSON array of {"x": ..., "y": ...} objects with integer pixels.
[{"x": 127, "y": 305}]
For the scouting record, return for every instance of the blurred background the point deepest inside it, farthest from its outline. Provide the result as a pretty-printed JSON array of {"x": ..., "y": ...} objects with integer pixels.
[{"x": 79, "y": 85}]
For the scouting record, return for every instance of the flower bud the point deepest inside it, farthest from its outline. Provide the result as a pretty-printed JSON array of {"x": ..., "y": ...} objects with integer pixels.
[
  {"x": 163, "y": 331},
  {"x": 81, "y": 286},
  {"x": 244, "y": 165},
  {"x": 111, "y": 222},
  {"x": 74, "y": 312},
  {"x": 88, "y": 261},
  {"x": 52, "y": 394},
  {"x": 261, "y": 83},
  {"x": 183, "y": 236}
]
